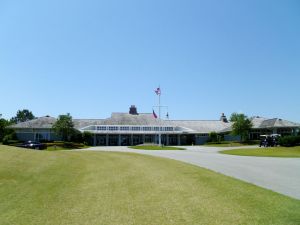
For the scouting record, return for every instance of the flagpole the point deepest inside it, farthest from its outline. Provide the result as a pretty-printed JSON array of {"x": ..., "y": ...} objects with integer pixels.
[
  {"x": 158, "y": 92},
  {"x": 159, "y": 114}
]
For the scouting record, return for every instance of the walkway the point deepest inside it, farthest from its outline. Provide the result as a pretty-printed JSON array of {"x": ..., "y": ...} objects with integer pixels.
[{"x": 278, "y": 174}]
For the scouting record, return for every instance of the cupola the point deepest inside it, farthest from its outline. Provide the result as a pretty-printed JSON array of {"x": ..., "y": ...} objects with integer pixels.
[
  {"x": 133, "y": 110},
  {"x": 224, "y": 118}
]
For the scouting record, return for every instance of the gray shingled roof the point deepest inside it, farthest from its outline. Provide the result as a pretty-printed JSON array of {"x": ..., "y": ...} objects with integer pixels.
[
  {"x": 257, "y": 121},
  {"x": 128, "y": 119},
  {"x": 147, "y": 119},
  {"x": 264, "y": 123},
  {"x": 142, "y": 119},
  {"x": 202, "y": 126},
  {"x": 120, "y": 119},
  {"x": 80, "y": 123},
  {"x": 278, "y": 123},
  {"x": 41, "y": 122}
]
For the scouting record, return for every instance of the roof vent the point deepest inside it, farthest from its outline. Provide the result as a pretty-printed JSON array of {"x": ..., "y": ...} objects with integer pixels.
[
  {"x": 133, "y": 110},
  {"x": 224, "y": 118}
]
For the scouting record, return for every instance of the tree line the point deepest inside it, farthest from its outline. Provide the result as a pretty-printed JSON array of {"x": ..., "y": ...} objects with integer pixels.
[{"x": 21, "y": 116}]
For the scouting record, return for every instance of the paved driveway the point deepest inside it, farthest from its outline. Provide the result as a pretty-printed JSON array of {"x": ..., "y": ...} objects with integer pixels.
[{"x": 278, "y": 174}]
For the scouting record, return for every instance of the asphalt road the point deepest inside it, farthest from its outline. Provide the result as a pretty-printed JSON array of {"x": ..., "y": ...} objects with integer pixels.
[{"x": 281, "y": 175}]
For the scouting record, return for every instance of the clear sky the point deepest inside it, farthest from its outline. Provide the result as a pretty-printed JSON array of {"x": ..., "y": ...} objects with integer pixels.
[{"x": 94, "y": 57}]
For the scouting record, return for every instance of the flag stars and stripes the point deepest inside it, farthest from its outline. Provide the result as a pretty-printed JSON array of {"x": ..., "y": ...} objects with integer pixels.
[
  {"x": 154, "y": 115},
  {"x": 158, "y": 91}
]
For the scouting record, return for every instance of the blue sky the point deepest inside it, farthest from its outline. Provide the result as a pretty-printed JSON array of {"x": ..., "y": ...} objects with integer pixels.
[{"x": 91, "y": 58}]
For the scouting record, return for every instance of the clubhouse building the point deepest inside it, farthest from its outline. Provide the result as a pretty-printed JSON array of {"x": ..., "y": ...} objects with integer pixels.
[{"x": 133, "y": 128}]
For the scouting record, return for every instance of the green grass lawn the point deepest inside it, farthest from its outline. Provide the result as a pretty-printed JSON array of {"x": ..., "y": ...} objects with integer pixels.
[
  {"x": 155, "y": 147},
  {"x": 66, "y": 187},
  {"x": 266, "y": 152}
]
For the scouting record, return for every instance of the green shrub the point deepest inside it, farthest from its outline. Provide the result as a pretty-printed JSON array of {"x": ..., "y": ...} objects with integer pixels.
[
  {"x": 87, "y": 138},
  {"x": 9, "y": 138},
  {"x": 72, "y": 145},
  {"x": 68, "y": 145},
  {"x": 213, "y": 136},
  {"x": 289, "y": 141},
  {"x": 76, "y": 136}
]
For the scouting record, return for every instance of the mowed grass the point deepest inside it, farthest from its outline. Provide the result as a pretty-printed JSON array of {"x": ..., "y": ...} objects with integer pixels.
[
  {"x": 42, "y": 187},
  {"x": 291, "y": 152},
  {"x": 155, "y": 147}
]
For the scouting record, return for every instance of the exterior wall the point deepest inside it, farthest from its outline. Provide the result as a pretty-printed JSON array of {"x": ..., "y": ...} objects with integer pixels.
[
  {"x": 25, "y": 136},
  {"x": 284, "y": 131},
  {"x": 128, "y": 139},
  {"x": 255, "y": 133},
  {"x": 36, "y": 135},
  {"x": 136, "y": 139}
]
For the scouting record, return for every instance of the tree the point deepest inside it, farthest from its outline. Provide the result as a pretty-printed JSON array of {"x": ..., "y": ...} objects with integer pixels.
[
  {"x": 22, "y": 116},
  {"x": 213, "y": 136},
  {"x": 241, "y": 125},
  {"x": 64, "y": 127},
  {"x": 4, "y": 131},
  {"x": 3, "y": 124},
  {"x": 76, "y": 136},
  {"x": 87, "y": 138}
]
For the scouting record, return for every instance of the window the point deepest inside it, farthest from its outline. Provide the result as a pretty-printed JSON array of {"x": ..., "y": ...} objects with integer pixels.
[
  {"x": 101, "y": 128},
  {"x": 202, "y": 135},
  {"x": 169, "y": 129},
  {"x": 136, "y": 128},
  {"x": 113, "y": 128},
  {"x": 124, "y": 128},
  {"x": 147, "y": 128}
]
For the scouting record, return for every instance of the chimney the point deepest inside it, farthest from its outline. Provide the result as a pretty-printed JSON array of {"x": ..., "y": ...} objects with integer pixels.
[
  {"x": 133, "y": 110},
  {"x": 224, "y": 118}
]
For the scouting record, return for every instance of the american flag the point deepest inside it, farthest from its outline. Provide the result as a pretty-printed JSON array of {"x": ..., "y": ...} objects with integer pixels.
[
  {"x": 154, "y": 115},
  {"x": 158, "y": 91}
]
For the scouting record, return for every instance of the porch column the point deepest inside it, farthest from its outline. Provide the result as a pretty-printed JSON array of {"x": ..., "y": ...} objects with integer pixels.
[
  {"x": 178, "y": 140},
  {"x": 119, "y": 141},
  {"x": 167, "y": 139},
  {"x": 107, "y": 139},
  {"x": 143, "y": 138},
  {"x": 34, "y": 135},
  {"x": 131, "y": 139},
  {"x": 95, "y": 140}
]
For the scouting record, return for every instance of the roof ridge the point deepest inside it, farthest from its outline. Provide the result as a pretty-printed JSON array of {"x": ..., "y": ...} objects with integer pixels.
[
  {"x": 196, "y": 120},
  {"x": 88, "y": 119}
]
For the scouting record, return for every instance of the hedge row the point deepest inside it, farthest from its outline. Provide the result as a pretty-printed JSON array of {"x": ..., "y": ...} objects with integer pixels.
[
  {"x": 65, "y": 144},
  {"x": 289, "y": 141}
]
